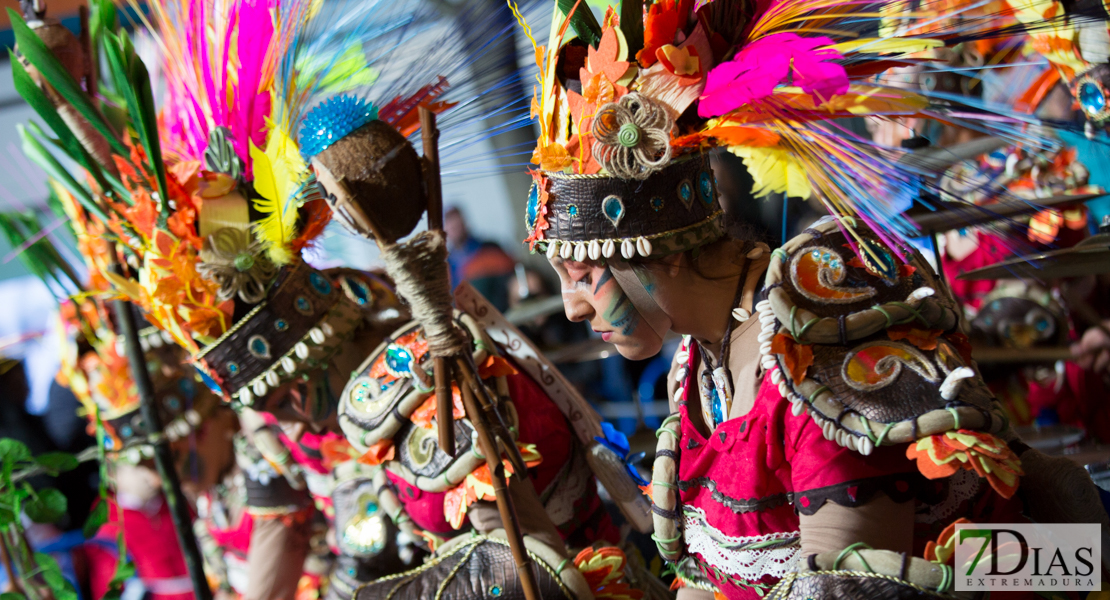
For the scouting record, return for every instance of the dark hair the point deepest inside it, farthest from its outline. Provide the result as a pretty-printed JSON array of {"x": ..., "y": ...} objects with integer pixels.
[{"x": 742, "y": 232}]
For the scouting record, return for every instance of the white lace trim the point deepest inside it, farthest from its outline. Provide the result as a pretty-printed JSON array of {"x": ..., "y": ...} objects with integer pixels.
[
  {"x": 717, "y": 549},
  {"x": 963, "y": 485}
]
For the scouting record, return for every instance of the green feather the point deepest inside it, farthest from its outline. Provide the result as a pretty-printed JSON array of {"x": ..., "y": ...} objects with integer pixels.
[
  {"x": 36, "y": 52},
  {"x": 632, "y": 25},
  {"x": 583, "y": 21},
  {"x": 133, "y": 82},
  {"x": 42, "y": 157},
  {"x": 41, "y": 258}
]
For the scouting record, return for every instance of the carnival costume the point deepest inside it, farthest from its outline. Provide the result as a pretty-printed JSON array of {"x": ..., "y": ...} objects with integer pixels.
[{"x": 863, "y": 387}]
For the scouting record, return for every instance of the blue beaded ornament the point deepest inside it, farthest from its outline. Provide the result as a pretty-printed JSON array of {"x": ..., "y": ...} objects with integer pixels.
[{"x": 333, "y": 120}]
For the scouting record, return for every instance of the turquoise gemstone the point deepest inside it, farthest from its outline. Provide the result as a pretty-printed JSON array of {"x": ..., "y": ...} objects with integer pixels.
[
  {"x": 173, "y": 403},
  {"x": 398, "y": 360},
  {"x": 126, "y": 431},
  {"x": 572, "y": 210},
  {"x": 686, "y": 191},
  {"x": 1091, "y": 98},
  {"x": 320, "y": 283},
  {"x": 258, "y": 346},
  {"x": 495, "y": 590},
  {"x": 303, "y": 305},
  {"x": 281, "y": 325},
  {"x": 718, "y": 407},
  {"x": 705, "y": 187},
  {"x": 371, "y": 508},
  {"x": 532, "y": 212},
  {"x": 657, "y": 203},
  {"x": 613, "y": 209},
  {"x": 232, "y": 368},
  {"x": 359, "y": 290}
]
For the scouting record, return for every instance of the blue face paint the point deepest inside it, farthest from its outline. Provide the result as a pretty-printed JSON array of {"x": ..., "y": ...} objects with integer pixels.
[{"x": 622, "y": 315}]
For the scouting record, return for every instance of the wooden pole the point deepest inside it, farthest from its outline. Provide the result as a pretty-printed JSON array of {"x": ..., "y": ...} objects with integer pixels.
[
  {"x": 444, "y": 406},
  {"x": 524, "y": 568},
  {"x": 171, "y": 485}
]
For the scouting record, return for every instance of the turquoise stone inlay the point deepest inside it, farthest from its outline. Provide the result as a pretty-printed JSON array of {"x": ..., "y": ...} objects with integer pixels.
[
  {"x": 705, "y": 187},
  {"x": 398, "y": 361},
  {"x": 1091, "y": 98},
  {"x": 613, "y": 208},
  {"x": 319, "y": 283},
  {"x": 532, "y": 212}
]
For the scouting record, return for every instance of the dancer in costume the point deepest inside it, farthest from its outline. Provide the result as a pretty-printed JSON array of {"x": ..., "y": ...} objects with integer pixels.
[
  {"x": 209, "y": 207},
  {"x": 829, "y": 425}
]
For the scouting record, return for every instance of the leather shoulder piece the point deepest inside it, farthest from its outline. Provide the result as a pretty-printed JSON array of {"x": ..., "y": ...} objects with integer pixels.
[
  {"x": 385, "y": 400},
  {"x": 866, "y": 573},
  {"x": 868, "y": 344},
  {"x": 478, "y": 566}
]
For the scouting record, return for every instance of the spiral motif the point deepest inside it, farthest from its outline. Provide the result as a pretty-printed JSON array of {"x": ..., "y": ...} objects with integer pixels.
[
  {"x": 632, "y": 137},
  {"x": 629, "y": 135}
]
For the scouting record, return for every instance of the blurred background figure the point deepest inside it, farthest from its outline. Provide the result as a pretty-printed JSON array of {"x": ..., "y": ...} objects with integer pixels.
[{"x": 482, "y": 263}]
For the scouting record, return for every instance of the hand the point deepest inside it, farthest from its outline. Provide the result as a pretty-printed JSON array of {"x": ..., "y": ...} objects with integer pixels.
[{"x": 1093, "y": 350}]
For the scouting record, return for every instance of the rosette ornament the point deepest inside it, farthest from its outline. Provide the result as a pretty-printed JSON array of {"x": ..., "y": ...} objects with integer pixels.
[
  {"x": 234, "y": 260},
  {"x": 632, "y": 137}
]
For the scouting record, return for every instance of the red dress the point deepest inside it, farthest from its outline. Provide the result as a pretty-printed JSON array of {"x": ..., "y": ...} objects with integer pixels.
[{"x": 741, "y": 490}]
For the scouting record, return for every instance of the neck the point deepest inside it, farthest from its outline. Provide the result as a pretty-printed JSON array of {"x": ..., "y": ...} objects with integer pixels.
[{"x": 711, "y": 302}]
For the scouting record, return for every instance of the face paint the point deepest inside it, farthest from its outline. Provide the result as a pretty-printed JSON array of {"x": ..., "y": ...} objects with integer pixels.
[
  {"x": 592, "y": 294},
  {"x": 622, "y": 315}
]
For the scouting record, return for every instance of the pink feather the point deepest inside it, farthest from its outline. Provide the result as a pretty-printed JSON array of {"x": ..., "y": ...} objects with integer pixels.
[{"x": 779, "y": 58}]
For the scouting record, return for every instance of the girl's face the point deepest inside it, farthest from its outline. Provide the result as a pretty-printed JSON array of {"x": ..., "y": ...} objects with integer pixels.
[{"x": 591, "y": 294}]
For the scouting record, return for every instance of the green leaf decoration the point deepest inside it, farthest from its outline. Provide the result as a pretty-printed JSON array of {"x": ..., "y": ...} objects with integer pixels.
[
  {"x": 97, "y": 518},
  {"x": 13, "y": 451},
  {"x": 44, "y": 108},
  {"x": 133, "y": 82},
  {"x": 57, "y": 462},
  {"x": 7, "y": 516},
  {"x": 46, "y": 507},
  {"x": 35, "y": 151},
  {"x": 52, "y": 575},
  {"x": 12, "y": 596},
  {"x": 104, "y": 179},
  {"x": 125, "y": 570},
  {"x": 632, "y": 25},
  {"x": 36, "y": 52},
  {"x": 40, "y": 258},
  {"x": 582, "y": 21}
]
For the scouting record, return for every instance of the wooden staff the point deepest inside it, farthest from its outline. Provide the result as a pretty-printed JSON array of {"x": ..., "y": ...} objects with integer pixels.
[
  {"x": 171, "y": 484},
  {"x": 470, "y": 384},
  {"x": 524, "y": 567},
  {"x": 444, "y": 406}
]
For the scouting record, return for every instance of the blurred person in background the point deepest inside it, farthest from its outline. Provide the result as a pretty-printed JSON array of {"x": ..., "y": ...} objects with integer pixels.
[{"x": 482, "y": 263}]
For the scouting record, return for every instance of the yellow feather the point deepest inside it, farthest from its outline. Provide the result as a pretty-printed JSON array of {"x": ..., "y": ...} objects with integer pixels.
[
  {"x": 886, "y": 46},
  {"x": 774, "y": 170},
  {"x": 277, "y": 175}
]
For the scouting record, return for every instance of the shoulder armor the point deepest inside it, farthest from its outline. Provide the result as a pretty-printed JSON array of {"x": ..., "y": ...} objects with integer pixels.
[
  {"x": 868, "y": 344},
  {"x": 381, "y": 400}
]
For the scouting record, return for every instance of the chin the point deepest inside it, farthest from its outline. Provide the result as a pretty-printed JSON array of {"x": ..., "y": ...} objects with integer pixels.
[{"x": 638, "y": 349}]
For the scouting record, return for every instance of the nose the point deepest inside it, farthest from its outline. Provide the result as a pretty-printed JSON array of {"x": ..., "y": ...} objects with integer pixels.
[{"x": 577, "y": 309}]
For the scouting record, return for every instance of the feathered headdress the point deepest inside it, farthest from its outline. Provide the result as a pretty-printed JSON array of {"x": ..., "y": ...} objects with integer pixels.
[
  {"x": 208, "y": 201},
  {"x": 629, "y": 105}
]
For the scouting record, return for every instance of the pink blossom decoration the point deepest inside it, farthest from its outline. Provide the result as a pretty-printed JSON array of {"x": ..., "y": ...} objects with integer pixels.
[{"x": 771, "y": 61}]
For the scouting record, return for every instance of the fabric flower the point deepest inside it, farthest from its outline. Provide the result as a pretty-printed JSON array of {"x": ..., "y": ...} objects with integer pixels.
[
  {"x": 236, "y": 262},
  {"x": 633, "y": 137},
  {"x": 941, "y": 455}
]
